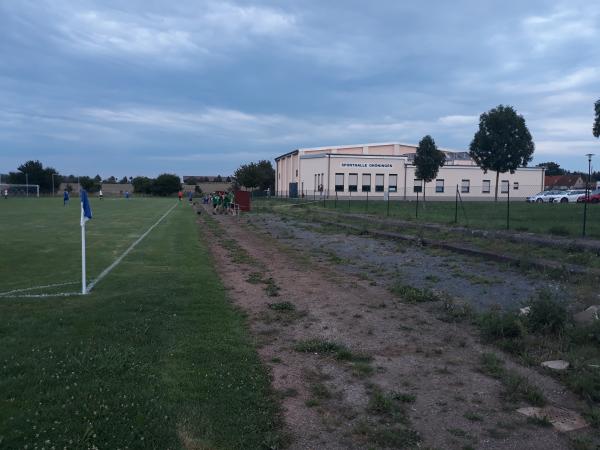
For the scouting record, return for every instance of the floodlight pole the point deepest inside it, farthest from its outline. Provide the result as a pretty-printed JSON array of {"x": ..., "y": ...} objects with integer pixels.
[
  {"x": 26, "y": 185},
  {"x": 53, "y": 185},
  {"x": 587, "y": 188}
]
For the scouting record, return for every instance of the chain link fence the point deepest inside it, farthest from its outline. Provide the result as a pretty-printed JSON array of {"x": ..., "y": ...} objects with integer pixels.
[{"x": 516, "y": 207}]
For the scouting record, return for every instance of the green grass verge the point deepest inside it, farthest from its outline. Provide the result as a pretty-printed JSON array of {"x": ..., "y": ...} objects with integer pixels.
[
  {"x": 553, "y": 219},
  {"x": 154, "y": 357}
]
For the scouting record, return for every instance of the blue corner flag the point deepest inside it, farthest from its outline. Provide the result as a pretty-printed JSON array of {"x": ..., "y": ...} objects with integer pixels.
[{"x": 86, "y": 211}]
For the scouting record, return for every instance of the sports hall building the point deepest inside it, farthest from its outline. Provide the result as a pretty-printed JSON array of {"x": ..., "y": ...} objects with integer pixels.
[{"x": 387, "y": 169}]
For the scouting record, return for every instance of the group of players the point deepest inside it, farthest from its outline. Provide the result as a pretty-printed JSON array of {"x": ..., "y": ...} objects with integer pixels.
[{"x": 222, "y": 202}]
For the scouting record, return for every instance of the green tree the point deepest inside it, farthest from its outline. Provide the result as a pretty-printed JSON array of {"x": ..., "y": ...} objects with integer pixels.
[
  {"x": 89, "y": 184},
  {"x": 166, "y": 184},
  {"x": 428, "y": 160},
  {"x": 502, "y": 143},
  {"x": 247, "y": 175},
  {"x": 259, "y": 175},
  {"x": 596, "y": 129},
  {"x": 552, "y": 168},
  {"x": 123, "y": 180},
  {"x": 142, "y": 185},
  {"x": 33, "y": 172}
]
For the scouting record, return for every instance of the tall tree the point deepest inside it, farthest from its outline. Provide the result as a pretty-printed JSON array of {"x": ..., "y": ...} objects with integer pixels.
[
  {"x": 428, "y": 160},
  {"x": 166, "y": 184},
  {"x": 596, "y": 129},
  {"x": 259, "y": 175},
  {"x": 503, "y": 142},
  {"x": 34, "y": 172},
  {"x": 552, "y": 168}
]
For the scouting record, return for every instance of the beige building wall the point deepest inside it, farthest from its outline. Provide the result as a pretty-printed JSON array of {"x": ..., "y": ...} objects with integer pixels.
[{"x": 380, "y": 168}]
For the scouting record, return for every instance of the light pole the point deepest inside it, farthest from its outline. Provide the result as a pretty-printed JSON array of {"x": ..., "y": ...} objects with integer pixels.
[
  {"x": 587, "y": 189},
  {"x": 26, "y": 185},
  {"x": 52, "y": 184}
]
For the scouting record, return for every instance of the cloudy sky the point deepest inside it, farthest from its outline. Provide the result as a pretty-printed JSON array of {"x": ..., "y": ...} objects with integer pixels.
[{"x": 198, "y": 87}]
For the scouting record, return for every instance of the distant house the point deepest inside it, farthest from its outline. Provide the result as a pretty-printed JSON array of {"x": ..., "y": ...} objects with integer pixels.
[
  {"x": 206, "y": 183},
  {"x": 564, "y": 182}
]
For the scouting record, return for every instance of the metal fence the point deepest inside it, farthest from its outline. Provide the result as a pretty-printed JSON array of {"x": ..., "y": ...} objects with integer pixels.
[{"x": 525, "y": 209}]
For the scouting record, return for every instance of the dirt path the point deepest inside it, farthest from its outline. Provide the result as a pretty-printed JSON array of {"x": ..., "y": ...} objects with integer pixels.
[{"x": 408, "y": 380}]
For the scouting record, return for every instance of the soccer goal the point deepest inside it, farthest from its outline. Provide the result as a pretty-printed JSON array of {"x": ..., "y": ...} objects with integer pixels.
[{"x": 20, "y": 190}]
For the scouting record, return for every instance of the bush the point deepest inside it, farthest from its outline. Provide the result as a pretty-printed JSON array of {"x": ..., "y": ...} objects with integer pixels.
[
  {"x": 497, "y": 325},
  {"x": 588, "y": 334},
  {"x": 547, "y": 315}
]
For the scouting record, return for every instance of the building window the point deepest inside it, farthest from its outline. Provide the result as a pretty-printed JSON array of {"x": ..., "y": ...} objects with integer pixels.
[
  {"x": 504, "y": 184},
  {"x": 339, "y": 182},
  {"x": 465, "y": 186},
  {"x": 485, "y": 187},
  {"x": 379, "y": 182},
  {"x": 393, "y": 183},
  {"x": 417, "y": 185},
  {"x": 353, "y": 182},
  {"x": 516, "y": 186},
  {"x": 366, "y": 182},
  {"x": 439, "y": 186},
  {"x": 296, "y": 172}
]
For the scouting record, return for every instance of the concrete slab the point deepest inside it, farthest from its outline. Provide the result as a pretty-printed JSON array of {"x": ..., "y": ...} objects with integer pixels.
[
  {"x": 558, "y": 364},
  {"x": 562, "y": 419},
  {"x": 588, "y": 316}
]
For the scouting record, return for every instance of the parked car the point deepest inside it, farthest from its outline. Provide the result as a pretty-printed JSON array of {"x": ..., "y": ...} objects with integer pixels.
[
  {"x": 567, "y": 196},
  {"x": 593, "y": 197},
  {"x": 542, "y": 197}
]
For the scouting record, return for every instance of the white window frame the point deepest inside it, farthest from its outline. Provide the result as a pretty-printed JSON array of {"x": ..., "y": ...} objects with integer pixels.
[
  {"x": 483, "y": 186},
  {"x": 393, "y": 187},
  {"x": 379, "y": 187},
  {"x": 465, "y": 186},
  {"x": 337, "y": 179},
  {"x": 366, "y": 177}
]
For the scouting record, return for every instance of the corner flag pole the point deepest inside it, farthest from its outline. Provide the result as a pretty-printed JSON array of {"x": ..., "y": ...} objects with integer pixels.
[
  {"x": 83, "y": 281},
  {"x": 86, "y": 214}
]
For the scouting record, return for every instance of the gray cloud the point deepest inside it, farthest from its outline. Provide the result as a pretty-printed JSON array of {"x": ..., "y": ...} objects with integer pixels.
[{"x": 96, "y": 86}]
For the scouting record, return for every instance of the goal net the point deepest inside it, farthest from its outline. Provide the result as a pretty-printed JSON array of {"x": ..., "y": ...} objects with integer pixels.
[{"x": 20, "y": 190}]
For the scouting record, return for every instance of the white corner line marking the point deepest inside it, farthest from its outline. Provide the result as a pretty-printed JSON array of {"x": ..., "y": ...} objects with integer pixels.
[{"x": 17, "y": 291}]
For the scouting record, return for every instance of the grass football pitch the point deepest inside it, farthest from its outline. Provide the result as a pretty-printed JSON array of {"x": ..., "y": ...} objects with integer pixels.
[{"x": 153, "y": 357}]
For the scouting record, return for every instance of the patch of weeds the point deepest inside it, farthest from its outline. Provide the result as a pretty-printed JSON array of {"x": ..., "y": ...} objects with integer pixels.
[
  {"x": 282, "y": 306},
  {"x": 585, "y": 382},
  {"x": 443, "y": 370},
  {"x": 404, "y": 398},
  {"x": 255, "y": 278},
  {"x": 312, "y": 402},
  {"x": 276, "y": 360},
  {"x": 387, "y": 436},
  {"x": 413, "y": 295},
  {"x": 516, "y": 387},
  {"x": 362, "y": 369},
  {"x": 547, "y": 314},
  {"x": 288, "y": 392},
  {"x": 492, "y": 365},
  {"x": 338, "y": 351},
  {"x": 473, "y": 417},
  {"x": 319, "y": 391},
  {"x": 271, "y": 288},
  {"x": 458, "y": 432},
  {"x": 593, "y": 417},
  {"x": 498, "y": 325},
  {"x": 582, "y": 443},
  {"x": 432, "y": 278},
  {"x": 456, "y": 311},
  {"x": 539, "y": 421}
]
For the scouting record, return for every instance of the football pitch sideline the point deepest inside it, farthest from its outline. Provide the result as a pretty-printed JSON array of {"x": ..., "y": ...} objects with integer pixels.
[{"x": 153, "y": 357}]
